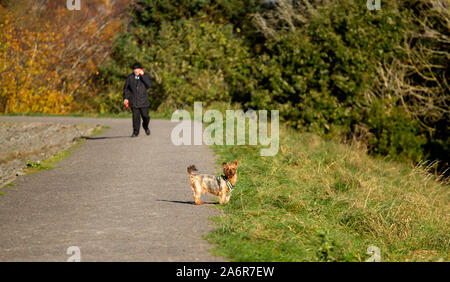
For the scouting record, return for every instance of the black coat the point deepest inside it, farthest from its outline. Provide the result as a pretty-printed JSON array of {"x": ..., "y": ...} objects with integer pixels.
[{"x": 135, "y": 90}]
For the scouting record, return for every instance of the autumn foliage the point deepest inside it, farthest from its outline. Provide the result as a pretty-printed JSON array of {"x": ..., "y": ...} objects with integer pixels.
[{"x": 49, "y": 56}]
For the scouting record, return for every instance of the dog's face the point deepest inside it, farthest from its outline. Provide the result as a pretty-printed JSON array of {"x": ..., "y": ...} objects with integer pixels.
[{"x": 229, "y": 170}]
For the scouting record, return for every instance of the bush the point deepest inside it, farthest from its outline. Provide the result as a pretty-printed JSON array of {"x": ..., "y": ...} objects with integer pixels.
[
  {"x": 192, "y": 60},
  {"x": 332, "y": 67},
  {"x": 335, "y": 67},
  {"x": 394, "y": 133},
  {"x": 322, "y": 67}
]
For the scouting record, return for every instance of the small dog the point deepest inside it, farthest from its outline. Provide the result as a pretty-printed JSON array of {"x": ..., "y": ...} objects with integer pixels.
[{"x": 219, "y": 186}]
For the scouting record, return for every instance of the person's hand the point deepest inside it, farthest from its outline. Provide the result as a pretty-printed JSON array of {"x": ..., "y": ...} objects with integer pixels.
[
  {"x": 141, "y": 71},
  {"x": 126, "y": 102}
]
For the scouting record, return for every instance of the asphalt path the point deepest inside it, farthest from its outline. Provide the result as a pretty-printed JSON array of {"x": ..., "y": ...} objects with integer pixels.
[{"x": 115, "y": 198}]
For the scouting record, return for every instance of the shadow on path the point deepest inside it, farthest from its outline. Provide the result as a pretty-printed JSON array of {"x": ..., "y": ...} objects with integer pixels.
[
  {"x": 187, "y": 202},
  {"x": 104, "y": 137}
]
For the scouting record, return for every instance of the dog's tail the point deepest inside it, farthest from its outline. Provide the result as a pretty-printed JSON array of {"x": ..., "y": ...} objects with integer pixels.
[{"x": 191, "y": 168}]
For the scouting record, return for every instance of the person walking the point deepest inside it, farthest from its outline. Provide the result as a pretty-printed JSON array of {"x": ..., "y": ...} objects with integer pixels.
[{"x": 135, "y": 95}]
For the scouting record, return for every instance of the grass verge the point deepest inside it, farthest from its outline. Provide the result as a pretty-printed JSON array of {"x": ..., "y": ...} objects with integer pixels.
[
  {"x": 318, "y": 200},
  {"x": 4, "y": 186}
]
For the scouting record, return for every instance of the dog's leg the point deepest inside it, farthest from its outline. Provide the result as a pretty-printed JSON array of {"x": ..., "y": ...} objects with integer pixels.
[
  {"x": 221, "y": 197},
  {"x": 197, "y": 200},
  {"x": 227, "y": 198},
  {"x": 197, "y": 194},
  {"x": 196, "y": 189}
]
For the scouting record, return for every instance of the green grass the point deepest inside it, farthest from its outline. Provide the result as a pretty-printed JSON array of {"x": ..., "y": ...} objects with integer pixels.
[
  {"x": 50, "y": 163},
  {"x": 7, "y": 185},
  {"x": 319, "y": 200}
]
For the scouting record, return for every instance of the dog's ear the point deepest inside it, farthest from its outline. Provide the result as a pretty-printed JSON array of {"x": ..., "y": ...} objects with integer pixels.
[
  {"x": 235, "y": 162},
  {"x": 224, "y": 164}
]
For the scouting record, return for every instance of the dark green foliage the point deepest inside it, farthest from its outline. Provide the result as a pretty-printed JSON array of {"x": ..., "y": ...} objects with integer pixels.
[
  {"x": 319, "y": 73},
  {"x": 153, "y": 12},
  {"x": 326, "y": 72},
  {"x": 394, "y": 133},
  {"x": 193, "y": 61},
  {"x": 332, "y": 67}
]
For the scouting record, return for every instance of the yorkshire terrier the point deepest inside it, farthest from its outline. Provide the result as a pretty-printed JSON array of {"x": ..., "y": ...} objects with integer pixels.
[{"x": 220, "y": 186}]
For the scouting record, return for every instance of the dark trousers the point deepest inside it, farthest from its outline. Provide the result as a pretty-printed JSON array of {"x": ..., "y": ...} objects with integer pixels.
[{"x": 137, "y": 113}]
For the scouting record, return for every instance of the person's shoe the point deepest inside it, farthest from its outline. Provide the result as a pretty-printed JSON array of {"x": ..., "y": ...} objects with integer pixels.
[
  {"x": 134, "y": 135},
  {"x": 147, "y": 131}
]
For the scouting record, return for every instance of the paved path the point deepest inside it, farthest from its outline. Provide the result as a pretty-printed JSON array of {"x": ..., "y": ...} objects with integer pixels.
[{"x": 116, "y": 198}]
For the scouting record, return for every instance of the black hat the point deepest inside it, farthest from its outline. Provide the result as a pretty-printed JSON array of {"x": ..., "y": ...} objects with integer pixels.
[{"x": 137, "y": 65}]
